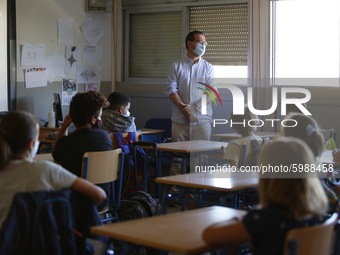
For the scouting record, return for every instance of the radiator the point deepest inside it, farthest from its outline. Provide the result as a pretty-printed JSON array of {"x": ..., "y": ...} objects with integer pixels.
[
  {"x": 148, "y": 107},
  {"x": 326, "y": 113}
]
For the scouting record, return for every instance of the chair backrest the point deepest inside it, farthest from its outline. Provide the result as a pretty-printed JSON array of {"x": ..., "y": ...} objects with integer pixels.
[
  {"x": 115, "y": 144},
  {"x": 250, "y": 151},
  {"x": 101, "y": 166},
  {"x": 162, "y": 124},
  {"x": 314, "y": 240},
  {"x": 327, "y": 133}
]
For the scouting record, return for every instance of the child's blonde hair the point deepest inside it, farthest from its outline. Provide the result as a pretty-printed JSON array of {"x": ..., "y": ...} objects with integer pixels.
[
  {"x": 248, "y": 115},
  {"x": 298, "y": 196},
  {"x": 307, "y": 129}
]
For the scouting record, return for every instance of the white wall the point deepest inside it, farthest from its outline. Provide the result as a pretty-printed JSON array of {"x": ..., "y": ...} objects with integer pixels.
[{"x": 37, "y": 24}]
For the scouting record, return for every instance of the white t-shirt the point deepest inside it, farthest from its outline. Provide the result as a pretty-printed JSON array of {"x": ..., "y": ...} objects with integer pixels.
[
  {"x": 28, "y": 175},
  {"x": 234, "y": 148}
]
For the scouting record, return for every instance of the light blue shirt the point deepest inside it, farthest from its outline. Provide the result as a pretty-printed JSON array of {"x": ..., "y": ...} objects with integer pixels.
[{"x": 183, "y": 76}]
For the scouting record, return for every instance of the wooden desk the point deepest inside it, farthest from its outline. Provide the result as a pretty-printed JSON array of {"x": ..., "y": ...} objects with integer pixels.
[
  {"x": 178, "y": 232},
  {"x": 231, "y": 136},
  {"x": 185, "y": 148},
  {"x": 191, "y": 146},
  {"x": 147, "y": 135},
  {"x": 223, "y": 185},
  {"x": 327, "y": 158}
]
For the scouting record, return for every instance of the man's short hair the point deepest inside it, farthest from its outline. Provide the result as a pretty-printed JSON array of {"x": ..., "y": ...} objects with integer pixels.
[
  {"x": 86, "y": 105},
  {"x": 191, "y": 37},
  {"x": 118, "y": 99}
]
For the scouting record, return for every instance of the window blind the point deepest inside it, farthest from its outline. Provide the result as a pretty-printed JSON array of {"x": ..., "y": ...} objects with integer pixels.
[
  {"x": 154, "y": 43},
  {"x": 226, "y": 30}
]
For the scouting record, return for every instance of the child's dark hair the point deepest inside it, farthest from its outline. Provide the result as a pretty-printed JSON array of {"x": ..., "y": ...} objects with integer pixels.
[
  {"x": 306, "y": 129},
  {"x": 86, "y": 105},
  {"x": 118, "y": 99},
  {"x": 17, "y": 128},
  {"x": 247, "y": 116}
]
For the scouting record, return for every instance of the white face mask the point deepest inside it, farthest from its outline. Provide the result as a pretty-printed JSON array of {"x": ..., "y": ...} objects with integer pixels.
[
  {"x": 35, "y": 149},
  {"x": 127, "y": 113}
]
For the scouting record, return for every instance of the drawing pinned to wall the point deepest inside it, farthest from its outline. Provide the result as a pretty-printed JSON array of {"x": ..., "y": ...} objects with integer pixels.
[
  {"x": 92, "y": 87},
  {"x": 89, "y": 74},
  {"x": 92, "y": 31},
  {"x": 35, "y": 77},
  {"x": 72, "y": 59},
  {"x": 33, "y": 55},
  {"x": 65, "y": 31},
  {"x": 92, "y": 54},
  {"x": 55, "y": 66},
  {"x": 69, "y": 90}
]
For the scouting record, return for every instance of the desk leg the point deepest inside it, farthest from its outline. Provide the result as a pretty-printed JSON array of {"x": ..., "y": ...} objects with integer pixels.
[
  {"x": 165, "y": 198},
  {"x": 159, "y": 174}
]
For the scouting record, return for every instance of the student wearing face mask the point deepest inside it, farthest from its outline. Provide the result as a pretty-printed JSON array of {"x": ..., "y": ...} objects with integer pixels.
[
  {"x": 19, "y": 172},
  {"x": 185, "y": 93},
  {"x": 85, "y": 113},
  {"x": 116, "y": 118}
]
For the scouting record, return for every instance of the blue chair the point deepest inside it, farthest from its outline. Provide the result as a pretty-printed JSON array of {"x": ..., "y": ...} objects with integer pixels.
[
  {"x": 160, "y": 123},
  {"x": 106, "y": 167}
]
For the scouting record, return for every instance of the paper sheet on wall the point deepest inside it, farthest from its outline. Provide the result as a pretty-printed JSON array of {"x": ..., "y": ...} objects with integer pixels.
[
  {"x": 35, "y": 77},
  {"x": 92, "y": 87},
  {"x": 33, "y": 55},
  {"x": 69, "y": 90},
  {"x": 55, "y": 66},
  {"x": 89, "y": 74},
  {"x": 92, "y": 54},
  {"x": 65, "y": 31},
  {"x": 72, "y": 59},
  {"x": 92, "y": 31}
]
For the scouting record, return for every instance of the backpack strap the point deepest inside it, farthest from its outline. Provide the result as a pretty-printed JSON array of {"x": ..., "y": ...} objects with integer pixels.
[{"x": 120, "y": 140}]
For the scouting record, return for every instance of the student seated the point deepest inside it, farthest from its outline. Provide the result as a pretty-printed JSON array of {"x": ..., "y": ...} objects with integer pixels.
[
  {"x": 85, "y": 113},
  {"x": 116, "y": 118},
  {"x": 19, "y": 143},
  {"x": 233, "y": 150},
  {"x": 307, "y": 130},
  {"x": 285, "y": 203}
]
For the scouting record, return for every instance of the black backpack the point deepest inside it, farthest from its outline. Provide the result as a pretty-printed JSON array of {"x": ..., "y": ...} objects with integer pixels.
[{"x": 139, "y": 205}]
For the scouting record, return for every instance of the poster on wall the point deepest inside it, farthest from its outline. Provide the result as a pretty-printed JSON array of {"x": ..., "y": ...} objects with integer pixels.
[
  {"x": 72, "y": 59},
  {"x": 35, "y": 77},
  {"x": 65, "y": 31},
  {"x": 92, "y": 54},
  {"x": 69, "y": 90},
  {"x": 89, "y": 74},
  {"x": 92, "y": 87},
  {"x": 55, "y": 66},
  {"x": 92, "y": 31},
  {"x": 33, "y": 55}
]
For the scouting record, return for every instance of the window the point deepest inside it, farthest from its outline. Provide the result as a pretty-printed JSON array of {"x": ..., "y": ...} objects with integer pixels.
[
  {"x": 226, "y": 30},
  {"x": 154, "y": 41},
  {"x": 154, "y": 38},
  {"x": 305, "y": 42}
]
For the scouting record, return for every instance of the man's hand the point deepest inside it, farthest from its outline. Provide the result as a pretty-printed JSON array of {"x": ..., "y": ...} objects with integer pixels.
[{"x": 189, "y": 112}]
